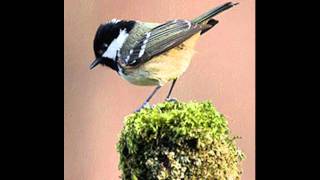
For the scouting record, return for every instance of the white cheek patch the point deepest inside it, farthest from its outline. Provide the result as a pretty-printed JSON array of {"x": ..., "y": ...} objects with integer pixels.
[{"x": 116, "y": 45}]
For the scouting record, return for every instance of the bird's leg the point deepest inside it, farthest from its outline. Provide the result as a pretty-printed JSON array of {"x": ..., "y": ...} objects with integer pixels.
[
  {"x": 170, "y": 91},
  {"x": 148, "y": 99}
]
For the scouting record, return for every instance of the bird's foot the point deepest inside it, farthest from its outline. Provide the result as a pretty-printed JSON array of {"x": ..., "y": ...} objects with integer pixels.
[
  {"x": 171, "y": 100},
  {"x": 144, "y": 105}
]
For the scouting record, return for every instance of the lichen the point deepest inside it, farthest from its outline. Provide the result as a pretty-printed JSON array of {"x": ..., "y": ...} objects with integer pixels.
[{"x": 176, "y": 140}]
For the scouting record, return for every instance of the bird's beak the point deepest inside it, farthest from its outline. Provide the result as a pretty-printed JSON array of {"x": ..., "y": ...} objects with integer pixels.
[{"x": 95, "y": 63}]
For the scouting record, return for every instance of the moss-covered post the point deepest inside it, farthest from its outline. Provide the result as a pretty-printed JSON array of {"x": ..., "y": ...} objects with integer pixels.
[{"x": 176, "y": 140}]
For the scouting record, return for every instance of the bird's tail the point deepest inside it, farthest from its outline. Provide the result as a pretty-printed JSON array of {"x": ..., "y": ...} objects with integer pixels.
[{"x": 208, "y": 15}]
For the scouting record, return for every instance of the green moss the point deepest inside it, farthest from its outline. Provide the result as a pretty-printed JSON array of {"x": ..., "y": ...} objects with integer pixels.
[{"x": 176, "y": 140}]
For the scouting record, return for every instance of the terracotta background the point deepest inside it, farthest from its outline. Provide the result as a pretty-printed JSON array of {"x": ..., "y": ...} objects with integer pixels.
[{"x": 96, "y": 101}]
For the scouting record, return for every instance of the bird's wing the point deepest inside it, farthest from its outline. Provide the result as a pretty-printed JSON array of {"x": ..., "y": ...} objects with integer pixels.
[{"x": 159, "y": 40}]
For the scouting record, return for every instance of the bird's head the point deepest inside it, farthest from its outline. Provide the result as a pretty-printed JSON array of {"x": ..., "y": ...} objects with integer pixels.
[{"x": 108, "y": 41}]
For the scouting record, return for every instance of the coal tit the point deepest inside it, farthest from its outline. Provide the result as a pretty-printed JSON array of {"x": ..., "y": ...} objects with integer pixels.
[{"x": 151, "y": 54}]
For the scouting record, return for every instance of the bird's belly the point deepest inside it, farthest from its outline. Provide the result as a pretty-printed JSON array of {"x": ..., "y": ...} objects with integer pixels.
[
  {"x": 139, "y": 77},
  {"x": 165, "y": 67}
]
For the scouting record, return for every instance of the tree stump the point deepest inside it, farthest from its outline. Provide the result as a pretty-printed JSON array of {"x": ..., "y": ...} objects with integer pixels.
[{"x": 176, "y": 140}]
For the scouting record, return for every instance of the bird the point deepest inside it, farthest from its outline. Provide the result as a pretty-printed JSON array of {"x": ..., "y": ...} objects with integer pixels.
[{"x": 151, "y": 54}]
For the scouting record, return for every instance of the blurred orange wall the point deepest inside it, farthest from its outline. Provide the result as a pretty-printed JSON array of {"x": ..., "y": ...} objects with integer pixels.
[{"x": 222, "y": 70}]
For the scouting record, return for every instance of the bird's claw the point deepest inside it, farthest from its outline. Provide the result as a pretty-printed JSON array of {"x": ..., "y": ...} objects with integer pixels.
[
  {"x": 171, "y": 100},
  {"x": 144, "y": 105},
  {"x": 147, "y": 105}
]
